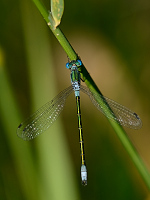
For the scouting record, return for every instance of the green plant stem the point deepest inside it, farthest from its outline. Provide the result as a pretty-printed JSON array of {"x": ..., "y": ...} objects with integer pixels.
[
  {"x": 57, "y": 32},
  {"x": 91, "y": 85}
]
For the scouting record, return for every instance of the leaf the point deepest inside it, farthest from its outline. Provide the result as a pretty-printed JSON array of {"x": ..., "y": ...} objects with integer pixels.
[{"x": 57, "y": 9}]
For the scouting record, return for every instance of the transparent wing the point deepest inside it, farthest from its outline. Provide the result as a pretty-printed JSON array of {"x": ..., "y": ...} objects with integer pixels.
[
  {"x": 117, "y": 112},
  {"x": 44, "y": 117}
]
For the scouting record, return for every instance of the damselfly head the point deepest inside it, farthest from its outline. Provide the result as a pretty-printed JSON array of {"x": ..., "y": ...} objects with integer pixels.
[{"x": 73, "y": 63}]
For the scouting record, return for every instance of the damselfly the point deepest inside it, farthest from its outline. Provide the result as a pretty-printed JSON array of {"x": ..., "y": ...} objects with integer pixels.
[{"x": 43, "y": 118}]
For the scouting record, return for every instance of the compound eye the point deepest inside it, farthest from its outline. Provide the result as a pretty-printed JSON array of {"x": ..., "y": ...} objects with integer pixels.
[
  {"x": 67, "y": 66},
  {"x": 78, "y": 63}
]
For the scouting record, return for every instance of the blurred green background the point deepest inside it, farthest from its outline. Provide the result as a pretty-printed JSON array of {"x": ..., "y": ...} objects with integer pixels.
[{"x": 113, "y": 40}]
